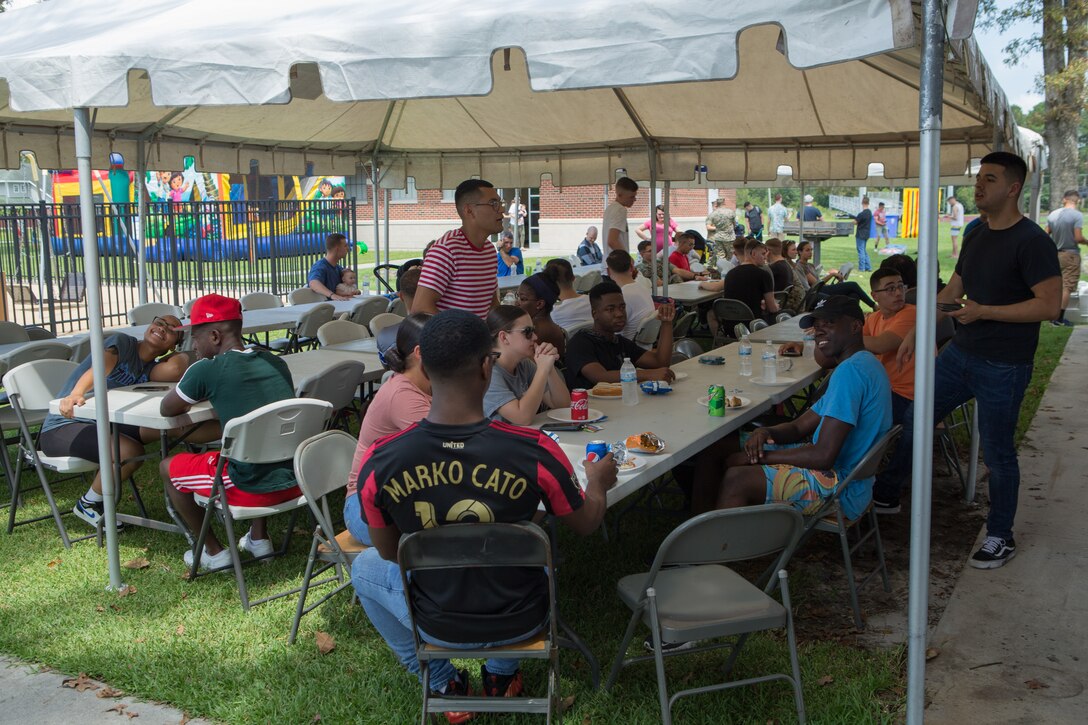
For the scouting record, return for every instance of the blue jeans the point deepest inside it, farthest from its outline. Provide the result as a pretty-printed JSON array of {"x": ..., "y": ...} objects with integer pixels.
[
  {"x": 863, "y": 254},
  {"x": 353, "y": 519},
  {"x": 998, "y": 389},
  {"x": 378, "y": 584}
]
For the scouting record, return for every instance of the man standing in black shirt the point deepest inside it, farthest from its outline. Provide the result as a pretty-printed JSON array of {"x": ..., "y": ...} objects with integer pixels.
[
  {"x": 754, "y": 215},
  {"x": 1007, "y": 281},
  {"x": 864, "y": 219},
  {"x": 456, "y": 466}
]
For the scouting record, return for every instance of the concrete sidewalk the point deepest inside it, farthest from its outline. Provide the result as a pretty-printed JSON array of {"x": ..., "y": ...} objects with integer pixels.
[
  {"x": 31, "y": 695},
  {"x": 1013, "y": 641}
]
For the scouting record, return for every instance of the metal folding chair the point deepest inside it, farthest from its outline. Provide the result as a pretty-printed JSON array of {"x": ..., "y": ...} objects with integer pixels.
[
  {"x": 690, "y": 594},
  {"x": 146, "y": 314},
  {"x": 382, "y": 321},
  {"x": 338, "y": 331},
  {"x": 305, "y": 332},
  {"x": 269, "y": 434},
  {"x": 682, "y": 327},
  {"x": 473, "y": 546},
  {"x": 729, "y": 312},
  {"x": 367, "y": 309},
  {"x": 647, "y": 333},
  {"x": 829, "y": 517},
  {"x": 322, "y": 465},
  {"x": 338, "y": 386}
]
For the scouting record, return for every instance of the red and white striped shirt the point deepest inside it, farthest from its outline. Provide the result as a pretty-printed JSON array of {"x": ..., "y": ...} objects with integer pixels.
[{"x": 464, "y": 277}]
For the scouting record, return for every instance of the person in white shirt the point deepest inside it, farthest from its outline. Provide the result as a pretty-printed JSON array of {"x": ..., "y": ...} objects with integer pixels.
[
  {"x": 955, "y": 215},
  {"x": 571, "y": 309},
  {"x": 614, "y": 230},
  {"x": 640, "y": 303}
]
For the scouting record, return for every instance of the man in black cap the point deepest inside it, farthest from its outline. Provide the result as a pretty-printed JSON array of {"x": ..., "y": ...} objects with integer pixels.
[{"x": 778, "y": 466}]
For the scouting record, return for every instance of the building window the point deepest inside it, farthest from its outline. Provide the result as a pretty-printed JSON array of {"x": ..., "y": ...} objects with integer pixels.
[
  {"x": 356, "y": 187},
  {"x": 405, "y": 196},
  {"x": 447, "y": 195}
]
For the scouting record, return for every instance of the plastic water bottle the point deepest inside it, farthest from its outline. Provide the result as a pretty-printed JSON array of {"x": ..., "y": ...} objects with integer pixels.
[
  {"x": 510, "y": 299},
  {"x": 629, "y": 382},
  {"x": 366, "y": 288},
  {"x": 770, "y": 364},
  {"x": 538, "y": 268},
  {"x": 745, "y": 353},
  {"x": 810, "y": 346}
]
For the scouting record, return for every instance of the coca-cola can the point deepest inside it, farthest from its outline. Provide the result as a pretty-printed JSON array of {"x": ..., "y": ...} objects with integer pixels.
[{"x": 579, "y": 404}]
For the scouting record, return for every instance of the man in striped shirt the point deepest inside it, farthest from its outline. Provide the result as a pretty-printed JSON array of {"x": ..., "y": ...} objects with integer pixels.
[{"x": 459, "y": 271}]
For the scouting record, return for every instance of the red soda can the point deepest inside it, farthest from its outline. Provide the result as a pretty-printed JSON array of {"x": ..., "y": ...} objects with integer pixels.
[
  {"x": 596, "y": 450},
  {"x": 579, "y": 404}
]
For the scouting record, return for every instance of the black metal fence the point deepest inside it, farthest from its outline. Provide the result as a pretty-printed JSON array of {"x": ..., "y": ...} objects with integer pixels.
[{"x": 192, "y": 248}]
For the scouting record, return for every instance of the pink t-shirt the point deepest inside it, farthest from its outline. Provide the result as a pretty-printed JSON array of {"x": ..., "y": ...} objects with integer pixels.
[
  {"x": 464, "y": 277},
  {"x": 659, "y": 232},
  {"x": 397, "y": 404}
]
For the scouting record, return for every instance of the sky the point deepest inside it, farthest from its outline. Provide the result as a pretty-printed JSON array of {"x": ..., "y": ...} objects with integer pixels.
[{"x": 1017, "y": 81}]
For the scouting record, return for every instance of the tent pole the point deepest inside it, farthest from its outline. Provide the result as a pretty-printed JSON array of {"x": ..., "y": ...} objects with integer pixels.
[
  {"x": 98, "y": 352},
  {"x": 801, "y": 228},
  {"x": 666, "y": 269},
  {"x": 653, "y": 217},
  {"x": 375, "y": 197},
  {"x": 141, "y": 219},
  {"x": 930, "y": 101},
  {"x": 385, "y": 221}
]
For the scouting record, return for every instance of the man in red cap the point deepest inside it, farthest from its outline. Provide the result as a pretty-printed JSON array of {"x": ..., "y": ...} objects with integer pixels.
[{"x": 237, "y": 381}]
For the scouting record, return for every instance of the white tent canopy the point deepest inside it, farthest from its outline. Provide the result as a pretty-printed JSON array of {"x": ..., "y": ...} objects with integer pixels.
[{"x": 440, "y": 90}]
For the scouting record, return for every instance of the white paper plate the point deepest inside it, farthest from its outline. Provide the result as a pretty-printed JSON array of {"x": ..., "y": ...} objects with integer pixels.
[
  {"x": 744, "y": 402},
  {"x": 780, "y": 381},
  {"x": 680, "y": 376},
  {"x": 604, "y": 397},
  {"x": 639, "y": 465},
  {"x": 563, "y": 415}
]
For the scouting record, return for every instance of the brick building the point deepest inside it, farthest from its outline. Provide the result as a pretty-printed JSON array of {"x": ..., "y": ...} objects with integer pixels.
[{"x": 558, "y": 217}]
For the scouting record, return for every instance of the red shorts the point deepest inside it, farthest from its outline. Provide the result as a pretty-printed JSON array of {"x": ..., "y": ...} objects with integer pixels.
[{"x": 195, "y": 472}]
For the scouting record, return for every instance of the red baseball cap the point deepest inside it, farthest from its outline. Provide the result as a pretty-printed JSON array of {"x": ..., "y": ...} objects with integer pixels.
[{"x": 214, "y": 308}]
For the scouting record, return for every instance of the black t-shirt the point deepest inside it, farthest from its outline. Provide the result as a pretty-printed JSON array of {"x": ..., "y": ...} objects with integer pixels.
[
  {"x": 588, "y": 347},
  {"x": 999, "y": 267},
  {"x": 864, "y": 220},
  {"x": 782, "y": 275},
  {"x": 748, "y": 283},
  {"x": 432, "y": 475},
  {"x": 755, "y": 218}
]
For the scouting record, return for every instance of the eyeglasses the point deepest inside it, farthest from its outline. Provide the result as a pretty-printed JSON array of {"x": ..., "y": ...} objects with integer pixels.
[
  {"x": 495, "y": 204},
  {"x": 527, "y": 331},
  {"x": 892, "y": 288},
  {"x": 164, "y": 324}
]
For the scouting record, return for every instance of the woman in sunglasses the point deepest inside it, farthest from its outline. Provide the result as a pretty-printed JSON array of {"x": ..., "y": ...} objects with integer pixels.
[
  {"x": 128, "y": 362},
  {"x": 524, "y": 380}
]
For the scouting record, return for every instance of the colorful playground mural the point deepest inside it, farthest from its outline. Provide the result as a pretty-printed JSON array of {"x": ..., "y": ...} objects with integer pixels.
[{"x": 194, "y": 214}]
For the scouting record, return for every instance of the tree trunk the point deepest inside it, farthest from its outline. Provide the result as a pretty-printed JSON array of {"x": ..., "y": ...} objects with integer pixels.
[{"x": 1063, "y": 68}]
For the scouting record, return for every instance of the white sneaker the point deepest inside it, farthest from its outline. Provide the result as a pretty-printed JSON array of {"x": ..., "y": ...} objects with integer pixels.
[
  {"x": 256, "y": 547},
  {"x": 208, "y": 561}
]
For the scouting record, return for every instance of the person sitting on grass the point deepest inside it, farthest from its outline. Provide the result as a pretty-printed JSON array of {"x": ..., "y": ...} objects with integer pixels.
[
  {"x": 128, "y": 361},
  {"x": 524, "y": 380},
  {"x": 571, "y": 309},
  {"x": 349, "y": 284},
  {"x": 853, "y": 414},
  {"x": 474, "y": 608},
  {"x": 237, "y": 380},
  {"x": 596, "y": 355},
  {"x": 536, "y": 297}
]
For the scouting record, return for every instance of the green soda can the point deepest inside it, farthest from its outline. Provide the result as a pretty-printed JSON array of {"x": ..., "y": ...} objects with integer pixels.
[{"x": 715, "y": 405}]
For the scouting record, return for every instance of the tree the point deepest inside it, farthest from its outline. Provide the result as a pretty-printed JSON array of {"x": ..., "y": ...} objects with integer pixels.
[{"x": 1063, "y": 39}]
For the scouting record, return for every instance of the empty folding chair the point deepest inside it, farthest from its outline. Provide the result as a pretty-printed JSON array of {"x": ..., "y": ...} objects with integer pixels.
[
  {"x": 322, "y": 466},
  {"x": 682, "y": 327},
  {"x": 759, "y": 324},
  {"x": 338, "y": 331},
  {"x": 740, "y": 330},
  {"x": 686, "y": 349},
  {"x": 382, "y": 321},
  {"x": 37, "y": 332},
  {"x": 260, "y": 301},
  {"x": 337, "y": 386},
  {"x": 397, "y": 307},
  {"x": 304, "y": 296},
  {"x": 689, "y": 594},
  {"x": 304, "y": 333},
  {"x": 12, "y": 332},
  {"x": 587, "y": 281},
  {"x": 728, "y": 313},
  {"x": 483, "y": 546},
  {"x": 647, "y": 333},
  {"x": 367, "y": 309},
  {"x": 783, "y": 316},
  {"x": 269, "y": 434},
  {"x": 146, "y": 314}
]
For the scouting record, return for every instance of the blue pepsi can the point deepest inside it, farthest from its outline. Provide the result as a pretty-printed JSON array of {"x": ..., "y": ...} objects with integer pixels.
[{"x": 596, "y": 450}]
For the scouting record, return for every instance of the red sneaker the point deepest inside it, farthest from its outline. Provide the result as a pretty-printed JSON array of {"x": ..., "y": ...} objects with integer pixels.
[
  {"x": 501, "y": 685},
  {"x": 457, "y": 687}
]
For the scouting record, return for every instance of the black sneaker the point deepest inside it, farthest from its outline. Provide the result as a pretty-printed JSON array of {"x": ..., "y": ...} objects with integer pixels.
[
  {"x": 883, "y": 507},
  {"x": 1061, "y": 323},
  {"x": 501, "y": 685},
  {"x": 993, "y": 553},
  {"x": 457, "y": 687},
  {"x": 667, "y": 647},
  {"x": 92, "y": 512}
]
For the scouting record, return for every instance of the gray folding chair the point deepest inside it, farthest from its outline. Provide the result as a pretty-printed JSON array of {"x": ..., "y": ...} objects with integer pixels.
[
  {"x": 37, "y": 332},
  {"x": 367, "y": 309},
  {"x": 647, "y": 332},
  {"x": 12, "y": 332},
  {"x": 260, "y": 301},
  {"x": 304, "y": 333},
  {"x": 322, "y": 466},
  {"x": 783, "y": 316},
  {"x": 30, "y": 388},
  {"x": 337, "y": 331},
  {"x": 682, "y": 327},
  {"x": 397, "y": 307},
  {"x": 740, "y": 330},
  {"x": 759, "y": 324},
  {"x": 38, "y": 350},
  {"x": 382, "y": 321},
  {"x": 476, "y": 546},
  {"x": 338, "y": 386},
  {"x": 304, "y": 296},
  {"x": 829, "y": 517},
  {"x": 586, "y": 282},
  {"x": 728, "y": 313},
  {"x": 269, "y": 434},
  {"x": 145, "y": 314},
  {"x": 685, "y": 349},
  {"x": 689, "y": 594}
]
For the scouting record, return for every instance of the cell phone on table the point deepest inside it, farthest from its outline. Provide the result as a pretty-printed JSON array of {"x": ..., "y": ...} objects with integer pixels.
[
  {"x": 949, "y": 306},
  {"x": 562, "y": 427},
  {"x": 791, "y": 352},
  {"x": 151, "y": 388}
]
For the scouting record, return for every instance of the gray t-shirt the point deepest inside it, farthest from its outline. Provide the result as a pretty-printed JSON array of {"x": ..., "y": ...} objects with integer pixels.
[
  {"x": 506, "y": 387},
  {"x": 1062, "y": 222}
]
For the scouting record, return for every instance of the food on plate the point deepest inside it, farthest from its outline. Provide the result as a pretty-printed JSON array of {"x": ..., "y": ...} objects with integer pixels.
[
  {"x": 732, "y": 401},
  {"x": 628, "y": 464},
  {"x": 608, "y": 390},
  {"x": 645, "y": 443}
]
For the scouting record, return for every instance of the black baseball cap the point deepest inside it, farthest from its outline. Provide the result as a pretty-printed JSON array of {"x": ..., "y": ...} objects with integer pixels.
[{"x": 833, "y": 308}]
